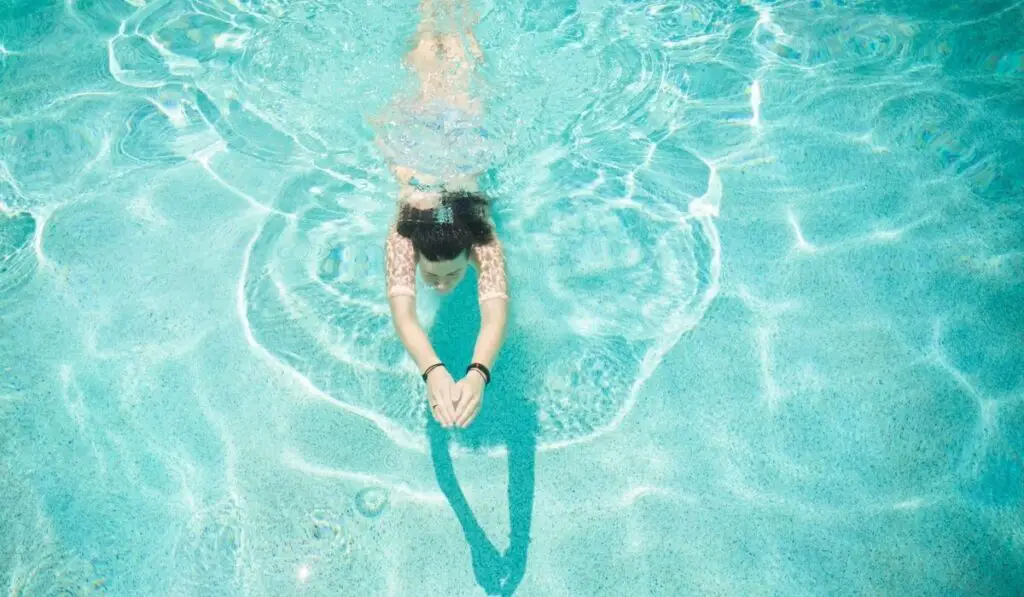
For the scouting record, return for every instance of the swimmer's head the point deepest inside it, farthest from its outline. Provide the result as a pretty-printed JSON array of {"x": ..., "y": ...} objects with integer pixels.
[
  {"x": 442, "y": 236},
  {"x": 444, "y": 276}
]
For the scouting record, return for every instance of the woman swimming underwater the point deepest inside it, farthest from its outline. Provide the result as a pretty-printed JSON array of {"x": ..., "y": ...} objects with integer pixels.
[{"x": 437, "y": 148}]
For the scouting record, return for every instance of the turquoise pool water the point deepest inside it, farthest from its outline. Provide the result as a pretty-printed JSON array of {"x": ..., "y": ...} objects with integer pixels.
[{"x": 767, "y": 332}]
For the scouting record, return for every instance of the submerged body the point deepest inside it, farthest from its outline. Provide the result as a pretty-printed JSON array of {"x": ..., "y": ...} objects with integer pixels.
[{"x": 437, "y": 146}]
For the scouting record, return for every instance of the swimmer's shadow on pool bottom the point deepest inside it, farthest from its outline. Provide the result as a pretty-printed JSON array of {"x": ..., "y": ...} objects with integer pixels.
[{"x": 508, "y": 416}]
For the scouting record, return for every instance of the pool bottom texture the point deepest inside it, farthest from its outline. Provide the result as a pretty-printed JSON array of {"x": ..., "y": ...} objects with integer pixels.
[{"x": 764, "y": 334}]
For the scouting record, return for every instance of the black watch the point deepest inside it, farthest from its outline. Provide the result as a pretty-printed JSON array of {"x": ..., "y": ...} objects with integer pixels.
[
  {"x": 431, "y": 368},
  {"x": 482, "y": 369}
]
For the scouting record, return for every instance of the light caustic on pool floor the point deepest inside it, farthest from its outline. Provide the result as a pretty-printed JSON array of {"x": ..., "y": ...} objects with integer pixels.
[
  {"x": 621, "y": 218},
  {"x": 249, "y": 98},
  {"x": 604, "y": 236},
  {"x": 608, "y": 217}
]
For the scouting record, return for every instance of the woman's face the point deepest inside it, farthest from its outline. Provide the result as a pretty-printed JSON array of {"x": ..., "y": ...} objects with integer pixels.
[{"x": 444, "y": 276}]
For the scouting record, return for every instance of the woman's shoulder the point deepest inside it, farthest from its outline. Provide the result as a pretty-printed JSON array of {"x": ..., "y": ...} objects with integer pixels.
[
  {"x": 487, "y": 253},
  {"x": 492, "y": 281}
]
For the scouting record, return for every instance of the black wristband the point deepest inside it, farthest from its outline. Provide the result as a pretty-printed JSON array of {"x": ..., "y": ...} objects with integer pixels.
[
  {"x": 431, "y": 368},
  {"x": 482, "y": 369}
]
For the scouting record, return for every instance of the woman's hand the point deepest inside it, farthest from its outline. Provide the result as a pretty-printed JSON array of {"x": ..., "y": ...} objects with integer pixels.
[
  {"x": 442, "y": 394},
  {"x": 471, "y": 395}
]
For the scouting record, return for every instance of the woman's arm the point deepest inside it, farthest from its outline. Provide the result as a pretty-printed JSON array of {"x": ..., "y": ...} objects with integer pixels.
[
  {"x": 400, "y": 264},
  {"x": 493, "y": 319},
  {"x": 415, "y": 340},
  {"x": 492, "y": 288}
]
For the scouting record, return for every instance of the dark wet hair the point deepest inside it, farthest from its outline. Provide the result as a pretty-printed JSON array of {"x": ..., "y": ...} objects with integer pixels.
[{"x": 442, "y": 233}]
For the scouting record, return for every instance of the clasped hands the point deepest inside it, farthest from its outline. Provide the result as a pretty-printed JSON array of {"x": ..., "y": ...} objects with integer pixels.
[{"x": 455, "y": 404}]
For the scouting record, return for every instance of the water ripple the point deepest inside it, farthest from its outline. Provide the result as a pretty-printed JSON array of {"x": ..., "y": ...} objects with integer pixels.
[
  {"x": 17, "y": 257},
  {"x": 25, "y": 25},
  {"x": 199, "y": 37},
  {"x": 35, "y": 560},
  {"x": 136, "y": 62},
  {"x": 547, "y": 16},
  {"x": 313, "y": 297},
  {"x": 863, "y": 44},
  {"x": 46, "y": 152},
  {"x": 151, "y": 137},
  {"x": 860, "y": 144},
  {"x": 632, "y": 79},
  {"x": 103, "y": 16},
  {"x": 684, "y": 23}
]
